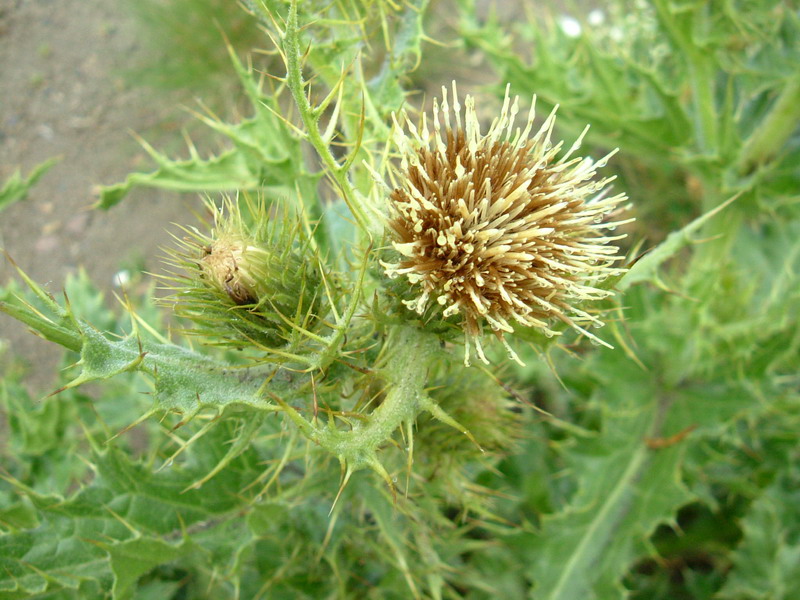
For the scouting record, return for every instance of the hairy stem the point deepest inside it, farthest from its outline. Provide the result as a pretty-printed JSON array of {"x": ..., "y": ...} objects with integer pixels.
[
  {"x": 407, "y": 370},
  {"x": 407, "y": 373},
  {"x": 297, "y": 86}
]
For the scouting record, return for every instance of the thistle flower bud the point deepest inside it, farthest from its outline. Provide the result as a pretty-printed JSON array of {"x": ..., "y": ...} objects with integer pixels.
[
  {"x": 247, "y": 282},
  {"x": 496, "y": 424},
  {"x": 494, "y": 227},
  {"x": 494, "y": 419},
  {"x": 228, "y": 265}
]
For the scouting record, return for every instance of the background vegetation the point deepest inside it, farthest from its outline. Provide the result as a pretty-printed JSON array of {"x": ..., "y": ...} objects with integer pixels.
[{"x": 663, "y": 469}]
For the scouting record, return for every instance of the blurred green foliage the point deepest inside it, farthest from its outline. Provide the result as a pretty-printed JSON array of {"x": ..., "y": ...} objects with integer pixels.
[
  {"x": 185, "y": 49},
  {"x": 16, "y": 187}
]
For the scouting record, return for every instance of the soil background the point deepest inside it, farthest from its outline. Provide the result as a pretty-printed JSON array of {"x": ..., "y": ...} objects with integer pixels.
[{"x": 64, "y": 92}]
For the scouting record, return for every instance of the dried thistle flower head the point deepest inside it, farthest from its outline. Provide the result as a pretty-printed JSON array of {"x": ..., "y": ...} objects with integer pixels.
[{"x": 494, "y": 227}]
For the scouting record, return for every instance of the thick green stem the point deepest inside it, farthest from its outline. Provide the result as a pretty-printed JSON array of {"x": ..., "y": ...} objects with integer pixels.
[
  {"x": 701, "y": 75},
  {"x": 310, "y": 118},
  {"x": 411, "y": 351},
  {"x": 293, "y": 55},
  {"x": 774, "y": 130},
  {"x": 705, "y": 109},
  {"x": 407, "y": 370}
]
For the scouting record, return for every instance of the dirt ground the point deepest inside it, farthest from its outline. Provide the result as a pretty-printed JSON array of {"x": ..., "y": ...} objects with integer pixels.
[{"x": 62, "y": 93}]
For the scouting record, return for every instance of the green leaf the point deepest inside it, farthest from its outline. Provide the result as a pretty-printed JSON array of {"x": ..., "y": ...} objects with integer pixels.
[
  {"x": 595, "y": 537},
  {"x": 616, "y": 88},
  {"x": 124, "y": 523},
  {"x": 226, "y": 172},
  {"x": 16, "y": 187},
  {"x": 184, "y": 381},
  {"x": 132, "y": 559},
  {"x": 266, "y": 155},
  {"x": 767, "y": 562},
  {"x": 33, "y": 428},
  {"x": 646, "y": 268},
  {"x": 18, "y": 516},
  {"x": 628, "y": 479},
  {"x": 59, "y": 554}
]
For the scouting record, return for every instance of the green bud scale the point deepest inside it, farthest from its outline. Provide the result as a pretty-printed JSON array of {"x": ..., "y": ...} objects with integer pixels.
[{"x": 254, "y": 280}]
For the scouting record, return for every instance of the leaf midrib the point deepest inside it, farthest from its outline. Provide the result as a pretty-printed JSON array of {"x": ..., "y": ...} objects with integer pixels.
[{"x": 630, "y": 474}]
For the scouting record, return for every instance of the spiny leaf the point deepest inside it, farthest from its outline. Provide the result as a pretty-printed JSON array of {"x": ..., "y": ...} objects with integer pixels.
[
  {"x": 767, "y": 562},
  {"x": 122, "y": 524},
  {"x": 266, "y": 154},
  {"x": 185, "y": 381},
  {"x": 227, "y": 171},
  {"x": 133, "y": 558},
  {"x": 646, "y": 268},
  {"x": 16, "y": 187},
  {"x": 57, "y": 554},
  {"x": 628, "y": 480}
]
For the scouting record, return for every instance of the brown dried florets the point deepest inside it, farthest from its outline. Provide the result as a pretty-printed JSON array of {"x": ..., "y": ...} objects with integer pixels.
[
  {"x": 224, "y": 265},
  {"x": 495, "y": 228}
]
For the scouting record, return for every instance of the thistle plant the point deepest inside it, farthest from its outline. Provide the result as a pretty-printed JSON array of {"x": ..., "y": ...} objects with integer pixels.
[{"x": 286, "y": 411}]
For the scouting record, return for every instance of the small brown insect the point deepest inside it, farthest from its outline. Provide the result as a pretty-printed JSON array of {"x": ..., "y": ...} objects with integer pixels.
[
  {"x": 658, "y": 443},
  {"x": 220, "y": 263}
]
